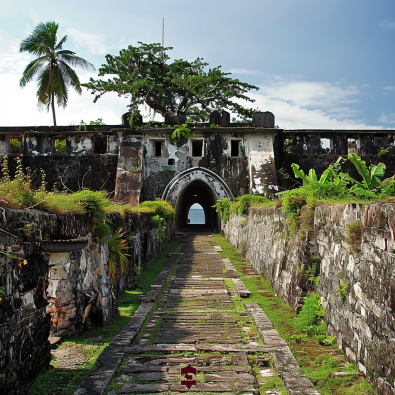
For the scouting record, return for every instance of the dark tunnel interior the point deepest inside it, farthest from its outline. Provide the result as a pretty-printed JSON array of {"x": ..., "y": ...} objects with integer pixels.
[{"x": 197, "y": 192}]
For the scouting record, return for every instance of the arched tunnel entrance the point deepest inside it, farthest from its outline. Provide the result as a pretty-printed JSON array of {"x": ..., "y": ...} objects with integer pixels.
[
  {"x": 201, "y": 193},
  {"x": 196, "y": 185}
]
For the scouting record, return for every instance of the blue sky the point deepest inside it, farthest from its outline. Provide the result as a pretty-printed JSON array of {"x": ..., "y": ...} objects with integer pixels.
[{"x": 318, "y": 63}]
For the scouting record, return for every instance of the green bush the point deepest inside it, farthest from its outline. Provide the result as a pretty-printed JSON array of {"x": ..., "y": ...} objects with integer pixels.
[
  {"x": 310, "y": 319},
  {"x": 162, "y": 208},
  {"x": 226, "y": 208},
  {"x": 15, "y": 146},
  {"x": 311, "y": 194}
]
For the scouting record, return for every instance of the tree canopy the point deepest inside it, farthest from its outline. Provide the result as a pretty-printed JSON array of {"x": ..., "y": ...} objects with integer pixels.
[
  {"x": 144, "y": 73},
  {"x": 52, "y": 67}
]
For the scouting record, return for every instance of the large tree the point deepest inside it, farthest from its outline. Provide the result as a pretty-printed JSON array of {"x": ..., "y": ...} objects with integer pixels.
[
  {"x": 52, "y": 67},
  {"x": 144, "y": 73}
]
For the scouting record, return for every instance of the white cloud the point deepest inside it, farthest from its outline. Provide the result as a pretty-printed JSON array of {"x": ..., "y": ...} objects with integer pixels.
[
  {"x": 86, "y": 42},
  {"x": 389, "y": 88},
  {"x": 20, "y": 108},
  {"x": 244, "y": 71},
  {"x": 387, "y": 25},
  {"x": 11, "y": 60},
  {"x": 307, "y": 94},
  {"x": 390, "y": 118},
  {"x": 366, "y": 86},
  {"x": 293, "y": 116}
]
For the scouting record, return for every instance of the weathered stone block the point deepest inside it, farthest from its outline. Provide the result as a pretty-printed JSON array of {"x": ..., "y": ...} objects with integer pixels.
[{"x": 263, "y": 119}]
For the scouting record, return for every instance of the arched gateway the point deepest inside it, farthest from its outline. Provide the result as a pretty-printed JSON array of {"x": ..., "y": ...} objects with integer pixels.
[{"x": 196, "y": 185}]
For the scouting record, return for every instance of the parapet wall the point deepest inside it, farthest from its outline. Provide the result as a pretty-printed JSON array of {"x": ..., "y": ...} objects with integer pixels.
[
  {"x": 54, "y": 275},
  {"x": 363, "y": 316}
]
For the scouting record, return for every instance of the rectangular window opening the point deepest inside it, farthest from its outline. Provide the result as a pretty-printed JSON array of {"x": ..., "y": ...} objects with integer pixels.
[
  {"x": 325, "y": 145},
  {"x": 352, "y": 145},
  {"x": 60, "y": 146},
  {"x": 158, "y": 148},
  {"x": 197, "y": 147},
  {"x": 15, "y": 146},
  {"x": 234, "y": 147}
]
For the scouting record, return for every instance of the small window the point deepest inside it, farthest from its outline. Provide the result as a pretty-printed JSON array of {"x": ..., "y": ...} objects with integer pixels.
[
  {"x": 234, "y": 147},
  {"x": 352, "y": 145},
  {"x": 325, "y": 145},
  {"x": 158, "y": 148},
  {"x": 171, "y": 162},
  {"x": 60, "y": 146},
  {"x": 197, "y": 147},
  {"x": 15, "y": 146}
]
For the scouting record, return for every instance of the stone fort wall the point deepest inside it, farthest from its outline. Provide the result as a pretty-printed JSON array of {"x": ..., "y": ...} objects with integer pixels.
[
  {"x": 363, "y": 319},
  {"x": 53, "y": 276}
]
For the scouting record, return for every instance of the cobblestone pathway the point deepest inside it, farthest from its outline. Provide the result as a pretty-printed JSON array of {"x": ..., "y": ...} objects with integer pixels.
[{"x": 200, "y": 321}]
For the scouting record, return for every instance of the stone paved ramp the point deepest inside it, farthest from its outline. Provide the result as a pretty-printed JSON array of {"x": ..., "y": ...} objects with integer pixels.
[{"x": 196, "y": 323}]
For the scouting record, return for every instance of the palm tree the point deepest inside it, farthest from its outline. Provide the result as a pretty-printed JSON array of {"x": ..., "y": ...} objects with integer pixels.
[{"x": 54, "y": 75}]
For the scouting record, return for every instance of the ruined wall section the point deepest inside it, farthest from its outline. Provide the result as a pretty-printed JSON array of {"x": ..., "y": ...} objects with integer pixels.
[
  {"x": 317, "y": 149},
  {"x": 53, "y": 275},
  {"x": 129, "y": 169},
  {"x": 245, "y": 161},
  {"x": 363, "y": 315},
  {"x": 24, "y": 323}
]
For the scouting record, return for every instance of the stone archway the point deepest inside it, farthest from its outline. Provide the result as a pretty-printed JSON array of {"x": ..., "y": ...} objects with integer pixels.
[{"x": 196, "y": 185}]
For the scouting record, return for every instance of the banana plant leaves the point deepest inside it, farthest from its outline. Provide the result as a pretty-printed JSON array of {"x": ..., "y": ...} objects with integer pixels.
[{"x": 370, "y": 177}]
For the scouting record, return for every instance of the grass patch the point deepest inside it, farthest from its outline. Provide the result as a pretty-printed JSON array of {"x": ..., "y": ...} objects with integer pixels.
[
  {"x": 305, "y": 347},
  {"x": 66, "y": 381}
]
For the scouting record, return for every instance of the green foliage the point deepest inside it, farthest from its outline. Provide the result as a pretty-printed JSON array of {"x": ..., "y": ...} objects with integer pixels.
[
  {"x": 222, "y": 207},
  {"x": 332, "y": 174},
  {"x": 83, "y": 126},
  {"x": 16, "y": 193},
  {"x": 118, "y": 261},
  {"x": 163, "y": 213},
  {"x": 214, "y": 126},
  {"x": 182, "y": 131},
  {"x": 383, "y": 151},
  {"x": 310, "y": 319},
  {"x": 52, "y": 66},
  {"x": 354, "y": 236},
  {"x": 146, "y": 73},
  {"x": 387, "y": 188},
  {"x": 159, "y": 224},
  {"x": 225, "y": 208},
  {"x": 370, "y": 178},
  {"x": 15, "y": 146},
  {"x": 60, "y": 147},
  {"x": 342, "y": 290},
  {"x": 310, "y": 194},
  {"x": 161, "y": 208},
  {"x": 288, "y": 146}
]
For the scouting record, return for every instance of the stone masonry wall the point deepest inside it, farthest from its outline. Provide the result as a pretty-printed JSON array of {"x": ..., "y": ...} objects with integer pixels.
[
  {"x": 43, "y": 291},
  {"x": 363, "y": 318}
]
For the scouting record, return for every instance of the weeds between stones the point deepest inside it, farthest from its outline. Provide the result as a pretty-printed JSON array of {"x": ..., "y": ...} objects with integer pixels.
[{"x": 305, "y": 347}]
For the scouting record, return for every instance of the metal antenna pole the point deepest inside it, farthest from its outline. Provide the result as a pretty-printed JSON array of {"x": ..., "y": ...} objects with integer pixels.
[{"x": 163, "y": 32}]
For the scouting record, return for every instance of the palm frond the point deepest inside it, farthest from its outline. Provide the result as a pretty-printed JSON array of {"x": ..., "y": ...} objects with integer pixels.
[
  {"x": 60, "y": 43},
  {"x": 118, "y": 258},
  {"x": 31, "y": 69},
  {"x": 43, "y": 83},
  {"x": 70, "y": 76},
  {"x": 59, "y": 85},
  {"x": 75, "y": 61}
]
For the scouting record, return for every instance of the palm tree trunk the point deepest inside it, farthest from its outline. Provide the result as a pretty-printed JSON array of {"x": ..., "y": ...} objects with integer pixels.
[{"x": 53, "y": 108}]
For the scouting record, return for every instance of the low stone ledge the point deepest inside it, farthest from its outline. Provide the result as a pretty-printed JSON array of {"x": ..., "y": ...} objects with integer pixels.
[
  {"x": 242, "y": 290},
  {"x": 111, "y": 357},
  {"x": 294, "y": 379}
]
